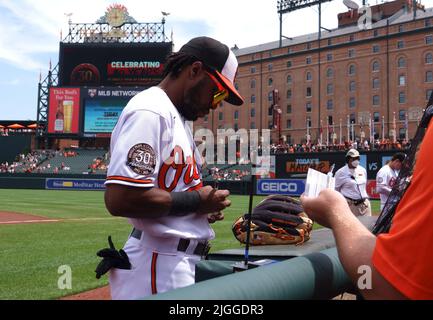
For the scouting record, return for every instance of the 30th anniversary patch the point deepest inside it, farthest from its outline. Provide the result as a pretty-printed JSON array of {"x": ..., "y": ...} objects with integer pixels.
[{"x": 141, "y": 159}]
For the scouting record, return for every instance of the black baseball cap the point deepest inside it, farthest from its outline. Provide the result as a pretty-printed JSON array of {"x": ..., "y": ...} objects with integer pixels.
[{"x": 220, "y": 60}]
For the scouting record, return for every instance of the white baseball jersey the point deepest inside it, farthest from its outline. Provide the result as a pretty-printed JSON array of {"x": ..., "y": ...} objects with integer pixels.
[
  {"x": 351, "y": 183},
  {"x": 385, "y": 180},
  {"x": 153, "y": 146}
]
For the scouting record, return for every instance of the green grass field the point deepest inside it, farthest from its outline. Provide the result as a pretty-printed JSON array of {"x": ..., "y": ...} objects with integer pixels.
[{"x": 32, "y": 253}]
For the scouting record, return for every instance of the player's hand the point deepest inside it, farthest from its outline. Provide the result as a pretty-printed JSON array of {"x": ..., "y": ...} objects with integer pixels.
[
  {"x": 214, "y": 217},
  {"x": 213, "y": 200},
  {"x": 327, "y": 208}
]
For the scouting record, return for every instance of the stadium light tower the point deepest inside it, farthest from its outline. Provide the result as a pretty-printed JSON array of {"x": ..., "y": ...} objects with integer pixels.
[{"x": 286, "y": 6}]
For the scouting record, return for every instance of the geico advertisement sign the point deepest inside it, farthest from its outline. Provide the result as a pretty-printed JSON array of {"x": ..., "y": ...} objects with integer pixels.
[{"x": 281, "y": 186}]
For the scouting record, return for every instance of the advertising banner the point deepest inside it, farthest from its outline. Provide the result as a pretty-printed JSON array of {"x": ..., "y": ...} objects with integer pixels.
[
  {"x": 74, "y": 184},
  {"x": 295, "y": 187},
  {"x": 291, "y": 187},
  {"x": 63, "y": 110}
]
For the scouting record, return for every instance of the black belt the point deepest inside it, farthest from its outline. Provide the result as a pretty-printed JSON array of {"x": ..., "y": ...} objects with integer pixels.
[
  {"x": 356, "y": 202},
  {"x": 201, "y": 249}
]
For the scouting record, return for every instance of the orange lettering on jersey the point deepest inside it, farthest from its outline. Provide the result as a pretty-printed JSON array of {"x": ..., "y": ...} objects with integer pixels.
[
  {"x": 176, "y": 162},
  {"x": 191, "y": 172}
]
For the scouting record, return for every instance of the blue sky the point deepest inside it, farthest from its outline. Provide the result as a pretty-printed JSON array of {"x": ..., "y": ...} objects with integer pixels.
[{"x": 30, "y": 33}]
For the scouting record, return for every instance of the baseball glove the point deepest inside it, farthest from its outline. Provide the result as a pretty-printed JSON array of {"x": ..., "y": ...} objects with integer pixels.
[{"x": 277, "y": 219}]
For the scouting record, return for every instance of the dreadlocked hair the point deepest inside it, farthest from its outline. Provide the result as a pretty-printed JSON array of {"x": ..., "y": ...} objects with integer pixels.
[{"x": 175, "y": 63}]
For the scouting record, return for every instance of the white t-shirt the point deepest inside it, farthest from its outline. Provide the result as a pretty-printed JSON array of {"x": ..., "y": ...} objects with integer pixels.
[
  {"x": 351, "y": 183},
  {"x": 385, "y": 180},
  {"x": 152, "y": 146}
]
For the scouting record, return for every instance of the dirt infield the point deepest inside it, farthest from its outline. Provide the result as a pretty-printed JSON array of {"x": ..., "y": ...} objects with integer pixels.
[
  {"x": 96, "y": 294},
  {"x": 15, "y": 218}
]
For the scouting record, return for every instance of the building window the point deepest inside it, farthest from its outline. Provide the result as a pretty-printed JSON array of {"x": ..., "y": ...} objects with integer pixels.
[
  {"x": 289, "y": 124},
  {"x": 289, "y": 108},
  {"x": 428, "y": 58},
  {"x": 402, "y": 80},
  {"x": 401, "y": 62},
  {"x": 308, "y": 46},
  {"x": 429, "y": 39},
  {"x": 329, "y": 57},
  {"x": 253, "y": 69},
  {"x": 401, "y": 97},
  {"x": 236, "y": 115},
  {"x": 289, "y": 50},
  {"x": 253, "y": 125},
  {"x": 308, "y": 106},
  {"x": 308, "y": 121},
  {"x": 351, "y": 70},
  {"x": 270, "y": 111},
  {"x": 236, "y": 127},
  {"x": 289, "y": 79},
  {"x": 351, "y": 53},
  {"x": 427, "y": 22},
  {"x": 376, "y": 66},
  {"x": 376, "y": 48},
  {"x": 376, "y": 100},
  {"x": 309, "y": 92},
  {"x": 289, "y": 94},
  {"x": 402, "y": 115},
  {"x": 402, "y": 133},
  {"x": 253, "y": 112},
  {"x": 376, "y": 83},
  {"x": 270, "y": 67},
  {"x": 220, "y": 116},
  {"x": 270, "y": 81},
  {"x": 428, "y": 94},
  {"x": 375, "y": 33},
  {"x": 351, "y": 37},
  {"x": 270, "y": 96},
  {"x": 253, "y": 98},
  {"x": 289, "y": 64},
  {"x": 352, "y": 118},
  {"x": 376, "y": 116},
  {"x": 400, "y": 28},
  {"x": 253, "y": 84},
  {"x": 329, "y": 88},
  {"x": 352, "y": 102},
  {"x": 329, "y": 41},
  {"x": 330, "y": 104},
  {"x": 329, "y": 72},
  {"x": 330, "y": 120},
  {"x": 429, "y": 76},
  {"x": 309, "y": 76},
  {"x": 270, "y": 125},
  {"x": 400, "y": 44},
  {"x": 308, "y": 60},
  {"x": 352, "y": 86}
]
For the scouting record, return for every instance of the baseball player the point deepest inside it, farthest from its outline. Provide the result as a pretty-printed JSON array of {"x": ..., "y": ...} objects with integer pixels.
[
  {"x": 351, "y": 182},
  {"x": 154, "y": 178},
  {"x": 387, "y": 176}
]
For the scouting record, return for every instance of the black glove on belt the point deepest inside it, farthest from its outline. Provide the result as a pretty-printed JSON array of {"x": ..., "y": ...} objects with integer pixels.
[{"x": 111, "y": 259}]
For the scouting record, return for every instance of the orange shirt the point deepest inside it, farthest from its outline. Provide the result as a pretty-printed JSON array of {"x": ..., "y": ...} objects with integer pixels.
[{"x": 404, "y": 256}]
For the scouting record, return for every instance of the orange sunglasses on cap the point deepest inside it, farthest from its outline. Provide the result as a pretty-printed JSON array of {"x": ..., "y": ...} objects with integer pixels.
[{"x": 221, "y": 93}]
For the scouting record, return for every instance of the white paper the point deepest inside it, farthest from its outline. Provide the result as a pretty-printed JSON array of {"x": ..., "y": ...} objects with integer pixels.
[{"x": 318, "y": 181}]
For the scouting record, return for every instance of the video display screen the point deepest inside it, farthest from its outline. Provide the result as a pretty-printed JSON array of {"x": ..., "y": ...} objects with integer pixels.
[{"x": 112, "y": 64}]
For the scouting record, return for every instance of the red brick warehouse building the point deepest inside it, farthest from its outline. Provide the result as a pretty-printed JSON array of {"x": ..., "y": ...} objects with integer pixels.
[{"x": 383, "y": 73}]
